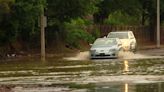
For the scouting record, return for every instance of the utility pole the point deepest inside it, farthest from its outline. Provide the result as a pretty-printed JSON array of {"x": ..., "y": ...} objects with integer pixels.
[
  {"x": 158, "y": 23},
  {"x": 42, "y": 28}
]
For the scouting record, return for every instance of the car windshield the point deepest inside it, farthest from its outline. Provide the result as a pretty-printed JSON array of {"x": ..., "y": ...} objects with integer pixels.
[
  {"x": 105, "y": 42},
  {"x": 118, "y": 35}
]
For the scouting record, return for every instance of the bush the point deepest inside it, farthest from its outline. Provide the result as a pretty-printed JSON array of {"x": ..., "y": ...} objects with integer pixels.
[
  {"x": 74, "y": 36},
  {"x": 120, "y": 18},
  {"x": 96, "y": 33},
  {"x": 76, "y": 32}
]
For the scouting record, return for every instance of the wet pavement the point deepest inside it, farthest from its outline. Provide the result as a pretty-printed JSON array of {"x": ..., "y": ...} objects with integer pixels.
[{"x": 83, "y": 75}]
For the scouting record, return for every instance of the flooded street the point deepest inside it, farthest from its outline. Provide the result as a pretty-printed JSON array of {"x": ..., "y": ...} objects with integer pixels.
[{"x": 80, "y": 74}]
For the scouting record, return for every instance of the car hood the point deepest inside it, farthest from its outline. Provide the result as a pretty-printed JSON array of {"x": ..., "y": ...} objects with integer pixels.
[
  {"x": 102, "y": 47},
  {"x": 125, "y": 42}
]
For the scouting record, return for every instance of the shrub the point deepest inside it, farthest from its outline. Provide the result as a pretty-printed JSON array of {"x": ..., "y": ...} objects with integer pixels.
[
  {"x": 76, "y": 32},
  {"x": 96, "y": 33},
  {"x": 120, "y": 18}
]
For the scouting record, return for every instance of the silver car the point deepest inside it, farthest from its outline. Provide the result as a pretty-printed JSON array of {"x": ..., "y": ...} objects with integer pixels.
[{"x": 106, "y": 48}]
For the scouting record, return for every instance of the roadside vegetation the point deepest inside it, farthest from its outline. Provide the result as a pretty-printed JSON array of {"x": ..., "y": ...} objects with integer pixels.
[{"x": 70, "y": 23}]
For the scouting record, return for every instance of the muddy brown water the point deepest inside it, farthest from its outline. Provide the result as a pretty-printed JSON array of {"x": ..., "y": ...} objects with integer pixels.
[
  {"x": 122, "y": 55},
  {"x": 109, "y": 75}
]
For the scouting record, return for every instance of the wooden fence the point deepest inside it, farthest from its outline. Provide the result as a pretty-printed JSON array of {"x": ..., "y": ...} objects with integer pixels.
[{"x": 142, "y": 33}]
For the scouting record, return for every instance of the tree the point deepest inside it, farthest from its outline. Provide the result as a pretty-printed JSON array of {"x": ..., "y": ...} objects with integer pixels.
[
  {"x": 25, "y": 19},
  {"x": 143, "y": 10},
  {"x": 19, "y": 20},
  {"x": 107, "y": 7},
  {"x": 6, "y": 34},
  {"x": 61, "y": 11},
  {"x": 65, "y": 10},
  {"x": 149, "y": 15}
]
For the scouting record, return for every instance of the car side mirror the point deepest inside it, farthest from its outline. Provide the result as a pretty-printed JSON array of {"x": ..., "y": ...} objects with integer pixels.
[
  {"x": 104, "y": 37},
  {"x": 90, "y": 44}
]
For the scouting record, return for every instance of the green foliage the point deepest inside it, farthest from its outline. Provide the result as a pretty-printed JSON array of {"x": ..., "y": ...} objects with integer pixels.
[
  {"x": 76, "y": 32},
  {"x": 66, "y": 10},
  {"x": 19, "y": 22},
  {"x": 64, "y": 18},
  {"x": 5, "y": 6},
  {"x": 19, "y": 18},
  {"x": 74, "y": 36},
  {"x": 6, "y": 34},
  {"x": 96, "y": 33},
  {"x": 119, "y": 18},
  {"x": 108, "y": 7}
]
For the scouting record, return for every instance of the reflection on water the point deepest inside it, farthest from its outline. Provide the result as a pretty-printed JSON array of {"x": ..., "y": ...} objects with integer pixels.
[
  {"x": 82, "y": 76},
  {"x": 126, "y": 87},
  {"x": 126, "y": 66}
]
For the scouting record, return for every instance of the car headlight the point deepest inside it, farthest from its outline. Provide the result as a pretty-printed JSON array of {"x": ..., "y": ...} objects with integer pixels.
[{"x": 92, "y": 51}]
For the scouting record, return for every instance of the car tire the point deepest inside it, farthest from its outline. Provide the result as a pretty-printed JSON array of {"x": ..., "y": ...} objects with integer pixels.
[{"x": 135, "y": 49}]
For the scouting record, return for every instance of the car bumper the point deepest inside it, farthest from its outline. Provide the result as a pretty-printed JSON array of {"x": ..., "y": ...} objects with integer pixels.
[{"x": 104, "y": 55}]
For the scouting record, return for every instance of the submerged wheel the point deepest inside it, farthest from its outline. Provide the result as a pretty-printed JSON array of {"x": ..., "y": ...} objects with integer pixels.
[{"x": 135, "y": 49}]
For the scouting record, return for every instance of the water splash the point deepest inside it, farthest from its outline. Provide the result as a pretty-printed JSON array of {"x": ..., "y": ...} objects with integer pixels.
[{"x": 122, "y": 55}]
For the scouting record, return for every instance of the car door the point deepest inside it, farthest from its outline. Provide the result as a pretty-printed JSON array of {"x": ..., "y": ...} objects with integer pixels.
[
  {"x": 119, "y": 44},
  {"x": 132, "y": 40}
]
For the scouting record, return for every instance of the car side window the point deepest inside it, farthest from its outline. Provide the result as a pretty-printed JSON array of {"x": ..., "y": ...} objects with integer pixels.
[{"x": 131, "y": 35}]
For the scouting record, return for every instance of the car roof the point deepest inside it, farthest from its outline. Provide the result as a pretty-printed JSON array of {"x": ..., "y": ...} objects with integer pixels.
[{"x": 108, "y": 38}]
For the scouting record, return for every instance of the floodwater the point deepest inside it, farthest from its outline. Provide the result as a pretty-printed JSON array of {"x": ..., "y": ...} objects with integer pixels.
[
  {"x": 122, "y": 55},
  {"x": 109, "y": 75}
]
